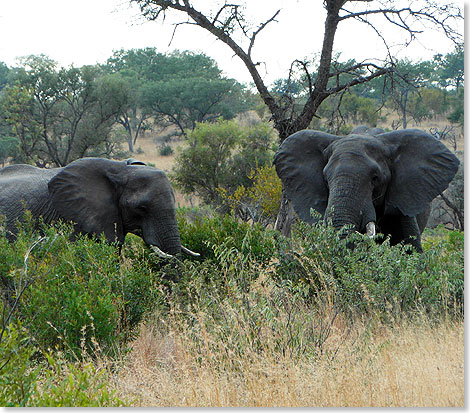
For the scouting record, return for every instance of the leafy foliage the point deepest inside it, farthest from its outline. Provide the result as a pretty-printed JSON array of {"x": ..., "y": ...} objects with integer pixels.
[
  {"x": 221, "y": 155},
  {"x": 59, "y": 115},
  {"x": 25, "y": 382},
  {"x": 179, "y": 89},
  {"x": 79, "y": 297},
  {"x": 251, "y": 292},
  {"x": 258, "y": 202},
  {"x": 204, "y": 233}
]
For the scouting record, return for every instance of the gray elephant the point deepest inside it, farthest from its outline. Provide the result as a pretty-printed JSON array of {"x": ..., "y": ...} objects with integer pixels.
[
  {"x": 381, "y": 183},
  {"x": 99, "y": 196},
  {"x": 366, "y": 130}
]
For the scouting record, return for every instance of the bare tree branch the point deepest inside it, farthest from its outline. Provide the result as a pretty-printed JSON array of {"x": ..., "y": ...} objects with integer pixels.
[
  {"x": 307, "y": 74},
  {"x": 455, "y": 209},
  {"x": 358, "y": 81},
  {"x": 146, "y": 7},
  {"x": 261, "y": 27},
  {"x": 410, "y": 18},
  {"x": 438, "y": 15}
]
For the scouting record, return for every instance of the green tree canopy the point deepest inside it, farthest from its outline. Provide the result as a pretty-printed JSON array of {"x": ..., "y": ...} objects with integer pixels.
[
  {"x": 451, "y": 68},
  {"x": 222, "y": 155},
  {"x": 179, "y": 88},
  {"x": 59, "y": 114}
]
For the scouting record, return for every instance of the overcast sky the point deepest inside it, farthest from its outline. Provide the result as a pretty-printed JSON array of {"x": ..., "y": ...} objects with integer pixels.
[{"x": 88, "y": 31}]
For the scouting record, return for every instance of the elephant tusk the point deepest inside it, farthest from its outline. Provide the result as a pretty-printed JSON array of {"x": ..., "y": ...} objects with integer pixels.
[
  {"x": 370, "y": 229},
  {"x": 189, "y": 252},
  {"x": 159, "y": 252}
]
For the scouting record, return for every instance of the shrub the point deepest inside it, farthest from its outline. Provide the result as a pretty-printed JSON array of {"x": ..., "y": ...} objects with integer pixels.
[
  {"x": 18, "y": 375},
  {"x": 205, "y": 233},
  {"x": 67, "y": 384},
  {"x": 258, "y": 202},
  {"x": 251, "y": 292},
  {"x": 377, "y": 277},
  {"x": 78, "y": 296},
  {"x": 221, "y": 154},
  {"x": 25, "y": 382},
  {"x": 165, "y": 150}
]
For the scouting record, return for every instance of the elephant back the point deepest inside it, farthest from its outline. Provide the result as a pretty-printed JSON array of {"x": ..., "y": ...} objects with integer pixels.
[
  {"x": 19, "y": 169},
  {"x": 25, "y": 187}
]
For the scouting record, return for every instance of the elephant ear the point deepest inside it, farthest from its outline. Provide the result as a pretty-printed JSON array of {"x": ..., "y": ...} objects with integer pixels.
[
  {"x": 299, "y": 163},
  {"x": 421, "y": 167},
  {"x": 86, "y": 192}
]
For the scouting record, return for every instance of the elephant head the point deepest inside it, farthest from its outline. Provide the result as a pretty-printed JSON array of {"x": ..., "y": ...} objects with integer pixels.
[
  {"x": 360, "y": 180},
  {"x": 115, "y": 198},
  {"x": 366, "y": 130}
]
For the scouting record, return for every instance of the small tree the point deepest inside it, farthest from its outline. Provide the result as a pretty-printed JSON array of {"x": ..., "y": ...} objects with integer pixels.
[
  {"x": 59, "y": 115},
  {"x": 221, "y": 155},
  {"x": 451, "y": 71},
  {"x": 178, "y": 89}
]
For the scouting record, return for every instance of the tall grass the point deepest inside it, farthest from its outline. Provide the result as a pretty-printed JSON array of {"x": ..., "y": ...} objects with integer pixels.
[
  {"x": 257, "y": 321},
  {"x": 407, "y": 364}
]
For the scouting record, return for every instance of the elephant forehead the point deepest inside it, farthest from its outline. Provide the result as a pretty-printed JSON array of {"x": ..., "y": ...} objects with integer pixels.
[
  {"x": 146, "y": 184},
  {"x": 147, "y": 176},
  {"x": 358, "y": 145}
]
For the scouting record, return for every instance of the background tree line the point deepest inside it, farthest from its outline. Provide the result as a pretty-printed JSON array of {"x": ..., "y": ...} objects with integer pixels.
[{"x": 52, "y": 115}]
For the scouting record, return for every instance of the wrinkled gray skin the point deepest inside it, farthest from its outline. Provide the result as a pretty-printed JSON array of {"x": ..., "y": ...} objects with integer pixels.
[
  {"x": 388, "y": 179},
  {"x": 99, "y": 196}
]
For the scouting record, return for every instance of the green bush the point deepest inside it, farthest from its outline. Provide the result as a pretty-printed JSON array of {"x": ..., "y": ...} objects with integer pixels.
[
  {"x": 26, "y": 382},
  {"x": 165, "y": 150},
  {"x": 375, "y": 277},
  {"x": 18, "y": 375},
  {"x": 251, "y": 291},
  {"x": 78, "y": 296},
  {"x": 65, "y": 384},
  {"x": 222, "y": 155},
  {"x": 260, "y": 201},
  {"x": 205, "y": 233}
]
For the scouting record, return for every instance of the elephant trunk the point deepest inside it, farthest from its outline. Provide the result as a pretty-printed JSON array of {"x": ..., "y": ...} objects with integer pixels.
[
  {"x": 164, "y": 234},
  {"x": 171, "y": 241},
  {"x": 350, "y": 205}
]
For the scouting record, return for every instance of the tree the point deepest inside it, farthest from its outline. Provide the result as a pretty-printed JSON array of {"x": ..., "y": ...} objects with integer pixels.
[
  {"x": 180, "y": 89},
  {"x": 403, "y": 87},
  {"x": 451, "y": 71},
  {"x": 457, "y": 104},
  {"x": 136, "y": 67},
  {"x": 187, "y": 101},
  {"x": 227, "y": 23},
  {"x": 8, "y": 148},
  {"x": 222, "y": 155},
  {"x": 4, "y": 75},
  {"x": 59, "y": 115},
  {"x": 135, "y": 116},
  {"x": 17, "y": 107}
]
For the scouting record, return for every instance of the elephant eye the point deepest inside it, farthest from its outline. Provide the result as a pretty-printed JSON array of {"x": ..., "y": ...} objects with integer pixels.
[
  {"x": 375, "y": 179},
  {"x": 142, "y": 209}
]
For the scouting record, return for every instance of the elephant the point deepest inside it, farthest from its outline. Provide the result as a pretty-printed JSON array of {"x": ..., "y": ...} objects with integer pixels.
[
  {"x": 371, "y": 183},
  {"x": 366, "y": 130},
  {"x": 99, "y": 196}
]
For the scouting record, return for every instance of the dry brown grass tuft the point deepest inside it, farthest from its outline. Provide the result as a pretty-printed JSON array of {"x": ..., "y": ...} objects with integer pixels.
[{"x": 410, "y": 364}]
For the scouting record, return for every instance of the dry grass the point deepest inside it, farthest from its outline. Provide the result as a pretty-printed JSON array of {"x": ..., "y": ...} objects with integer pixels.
[{"x": 405, "y": 365}]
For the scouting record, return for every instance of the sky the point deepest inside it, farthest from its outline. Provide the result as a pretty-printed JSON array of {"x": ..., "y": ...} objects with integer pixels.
[{"x": 88, "y": 31}]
